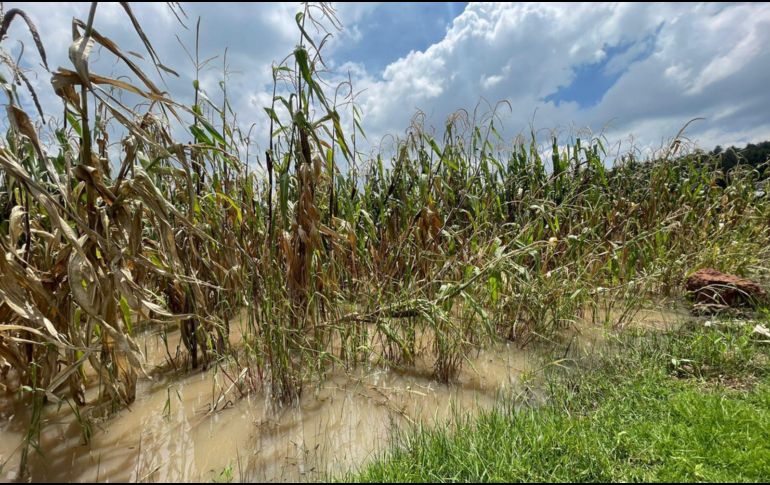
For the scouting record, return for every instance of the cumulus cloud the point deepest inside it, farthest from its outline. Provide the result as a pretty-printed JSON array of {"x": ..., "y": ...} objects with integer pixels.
[
  {"x": 703, "y": 61},
  {"x": 668, "y": 63}
]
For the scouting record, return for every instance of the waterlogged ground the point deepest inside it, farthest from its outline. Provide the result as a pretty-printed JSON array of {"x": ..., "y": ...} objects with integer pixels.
[{"x": 171, "y": 433}]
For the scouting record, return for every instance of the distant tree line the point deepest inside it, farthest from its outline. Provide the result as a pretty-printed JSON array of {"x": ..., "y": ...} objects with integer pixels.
[{"x": 754, "y": 155}]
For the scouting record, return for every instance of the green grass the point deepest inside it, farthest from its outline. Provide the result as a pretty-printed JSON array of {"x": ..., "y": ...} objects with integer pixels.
[{"x": 693, "y": 405}]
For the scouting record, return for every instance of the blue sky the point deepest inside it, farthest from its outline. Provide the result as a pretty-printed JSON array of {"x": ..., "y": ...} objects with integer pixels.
[
  {"x": 394, "y": 30},
  {"x": 590, "y": 81},
  {"x": 634, "y": 73}
]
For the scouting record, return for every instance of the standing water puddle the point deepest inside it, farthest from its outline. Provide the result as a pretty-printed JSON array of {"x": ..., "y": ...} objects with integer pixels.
[{"x": 169, "y": 434}]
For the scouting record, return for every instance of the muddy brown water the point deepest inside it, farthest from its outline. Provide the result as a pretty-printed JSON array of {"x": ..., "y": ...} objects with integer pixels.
[{"x": 170, "y": 434}]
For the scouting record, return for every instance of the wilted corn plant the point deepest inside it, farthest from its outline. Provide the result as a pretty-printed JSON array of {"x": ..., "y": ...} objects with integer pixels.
[
  {"x": 458, "y": 239},
  {"x": 86, "y": 250}
]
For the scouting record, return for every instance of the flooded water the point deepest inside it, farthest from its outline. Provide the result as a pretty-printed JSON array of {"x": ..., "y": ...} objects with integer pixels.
[{"x": 171, "y": 434}]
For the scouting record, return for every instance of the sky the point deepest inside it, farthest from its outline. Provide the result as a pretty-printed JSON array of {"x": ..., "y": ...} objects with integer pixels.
[{"x": 635, "y": 73}]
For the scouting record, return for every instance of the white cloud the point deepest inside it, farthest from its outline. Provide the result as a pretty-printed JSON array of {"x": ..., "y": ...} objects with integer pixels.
[
  {"x": 349, "y": 15},
  {"x": 704, "y": 60},
  {"x": 488, "y": 82}
]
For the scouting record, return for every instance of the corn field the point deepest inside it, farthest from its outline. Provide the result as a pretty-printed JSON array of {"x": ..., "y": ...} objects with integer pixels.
[{"x": 336, "y": 259}]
